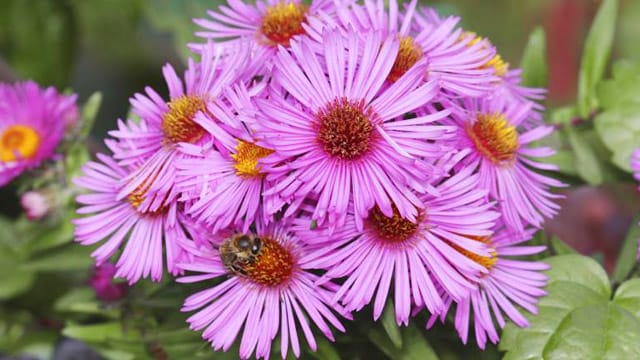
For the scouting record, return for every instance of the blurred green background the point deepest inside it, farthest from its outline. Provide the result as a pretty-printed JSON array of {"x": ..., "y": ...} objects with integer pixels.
[{"x": 118, "y": 46}]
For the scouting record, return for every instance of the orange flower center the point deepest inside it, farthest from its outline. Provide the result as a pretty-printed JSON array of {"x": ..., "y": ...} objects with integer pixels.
[
  {"x": 486, "y": 261},
  {"x": 246, "y": 158},
  {"x": 500, "y": 66},
  {"x": 394, "y": 229},
  {"x": 494, "y": 137},
  {"x": 408, "y": 55},
  {"x": 283, "y": 21},
  {"x": 178, "y": 124},
  {"x": 272, "y": 266},
  {"x": 139, "y": 194},
  {"x": 18, "y": 141},
  {"x": 345, "y": 128}
]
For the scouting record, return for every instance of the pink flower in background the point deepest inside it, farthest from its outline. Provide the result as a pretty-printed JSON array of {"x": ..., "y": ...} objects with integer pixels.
[
  {"x": 102, "y": 283},
  {"x": 635, "y": 165},
  {"x": 32, "y": 123},
  {"x": 35, "y": 205},
  {"x": 341, "y": 138},
  {"x": 503, "y": 154},
  {"x": 508, "y": 283},
  {"x": 144, "y": 237},
  {"x": 266, "y": 290},
  {"x": 417, "y": 257}
]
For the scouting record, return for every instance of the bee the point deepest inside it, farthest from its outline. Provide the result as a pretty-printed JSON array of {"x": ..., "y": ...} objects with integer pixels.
[{"x": 239, "y": 251}]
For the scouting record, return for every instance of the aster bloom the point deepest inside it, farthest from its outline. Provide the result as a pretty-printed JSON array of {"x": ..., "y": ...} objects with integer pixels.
[
  {"x": 225, "y": 181},
  {"x": 458, "y": 62},
  {"x": 272, "y": 293},
  {"x": 508, "y": 283},
  {"x": 151, "y": 146},
  {"x": 122, "y": 225},
  {"x": 503, "y": 154},
  {"x": 341, "y": 138},
  {"x": 32, "y": 123},
  {"x": 269, "y": 23},
  {"x": 419, "y": 257}
]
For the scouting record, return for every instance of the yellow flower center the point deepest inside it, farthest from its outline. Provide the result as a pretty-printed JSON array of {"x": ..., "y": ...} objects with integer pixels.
[
  {"x": 19, "y": 140},
  {"x": 487, "y": 262},
  {"x": 494, "y": 137},
  {"x": 246, "y": 158},
  {"x": 283, "y": 21},
  {"x": 272, "y": 266},
  {"x": 178, "y": 124},
  {"x": 345, "y": 129},
  {"x": 500, "y": 66},
  {"x": 394, "y": 229},
  {"x": 408, "y": 55}
]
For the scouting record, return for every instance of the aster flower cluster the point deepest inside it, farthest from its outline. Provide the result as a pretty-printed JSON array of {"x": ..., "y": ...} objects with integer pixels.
[{"x": 321, "y": 158}]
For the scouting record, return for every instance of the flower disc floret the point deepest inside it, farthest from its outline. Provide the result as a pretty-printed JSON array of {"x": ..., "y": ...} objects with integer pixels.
[
  {"x": 345, "y": 129},
  {"x": 178, "y": 124},
  {"x": 18, "y": 139},
  {"x": 283, "y": 21}
]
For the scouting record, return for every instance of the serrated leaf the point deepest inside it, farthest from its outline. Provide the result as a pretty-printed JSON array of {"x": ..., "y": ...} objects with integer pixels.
[
  {"x": 534, "y": 60},
  {"x": 595, "y": 56},
  {"x": 587, "y": 164},
  {"x": 619, "y": 129},
  {"x": 627, "y": 257}
]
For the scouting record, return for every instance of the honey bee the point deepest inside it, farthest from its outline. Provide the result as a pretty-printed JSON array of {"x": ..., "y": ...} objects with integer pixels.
[{"x": 238, "y": 251}]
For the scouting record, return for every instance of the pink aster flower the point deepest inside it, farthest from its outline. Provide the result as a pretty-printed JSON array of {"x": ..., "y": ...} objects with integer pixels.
[
  {"x": 32, "y": 123},
  {"x": 341, "y": 138},
  {"x": 269, "y": 23},
  {"x": 151, "y": 146},
  {"x": 509, "y": 282},
  {"x": 418, "y": 257},
  {"x": 266, "y": 289},
  {"x": 504, "y": 155},
  {"x": 458, "y": 62},
  {"x": 142, "y": 236},
  {"x": 224, "y": 183}
]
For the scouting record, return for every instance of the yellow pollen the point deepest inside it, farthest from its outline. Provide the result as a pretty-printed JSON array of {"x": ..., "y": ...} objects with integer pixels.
[
  {"x": 408, "y": 55},
  {"x": 246, "y": 158},
  {"x": 499, "y": 66},
  {"x": 495, "y": 138},
  {"x": 283, "y": 21},
  {"x": 272, "y": 266},
  {"x": 486, "y": 261},
  {"x": 178, "y": 124},
  {"x": 19, "y": 140},
  {"x": 394, "y": 229}
]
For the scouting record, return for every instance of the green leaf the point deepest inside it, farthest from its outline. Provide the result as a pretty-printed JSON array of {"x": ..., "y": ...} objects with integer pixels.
[
  {"x": 93, "y": 333},
  {"x": 602, "y": 331},
  {"x": 628, "y": 296},
  {"x": 628, "y": 252},
  {"x": 389, "y": 325},
  {"x": 534, "y": 60},
  {"x": 325, "y": 351},
  {"x": 71, "y": 257},
  {"x": 577, "y": 320},
  {"x": 623, "y": 88},
  {"x": 415, "y": 346},
  {"x": 595, "y": 56},
  {"x": 619, "y": 129},
  {"x": 13, "y": 281},
  {"x": 89, "y": 113},
  {"x": 586, "y": 160},
  {"x": 561, "y": 247}
]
